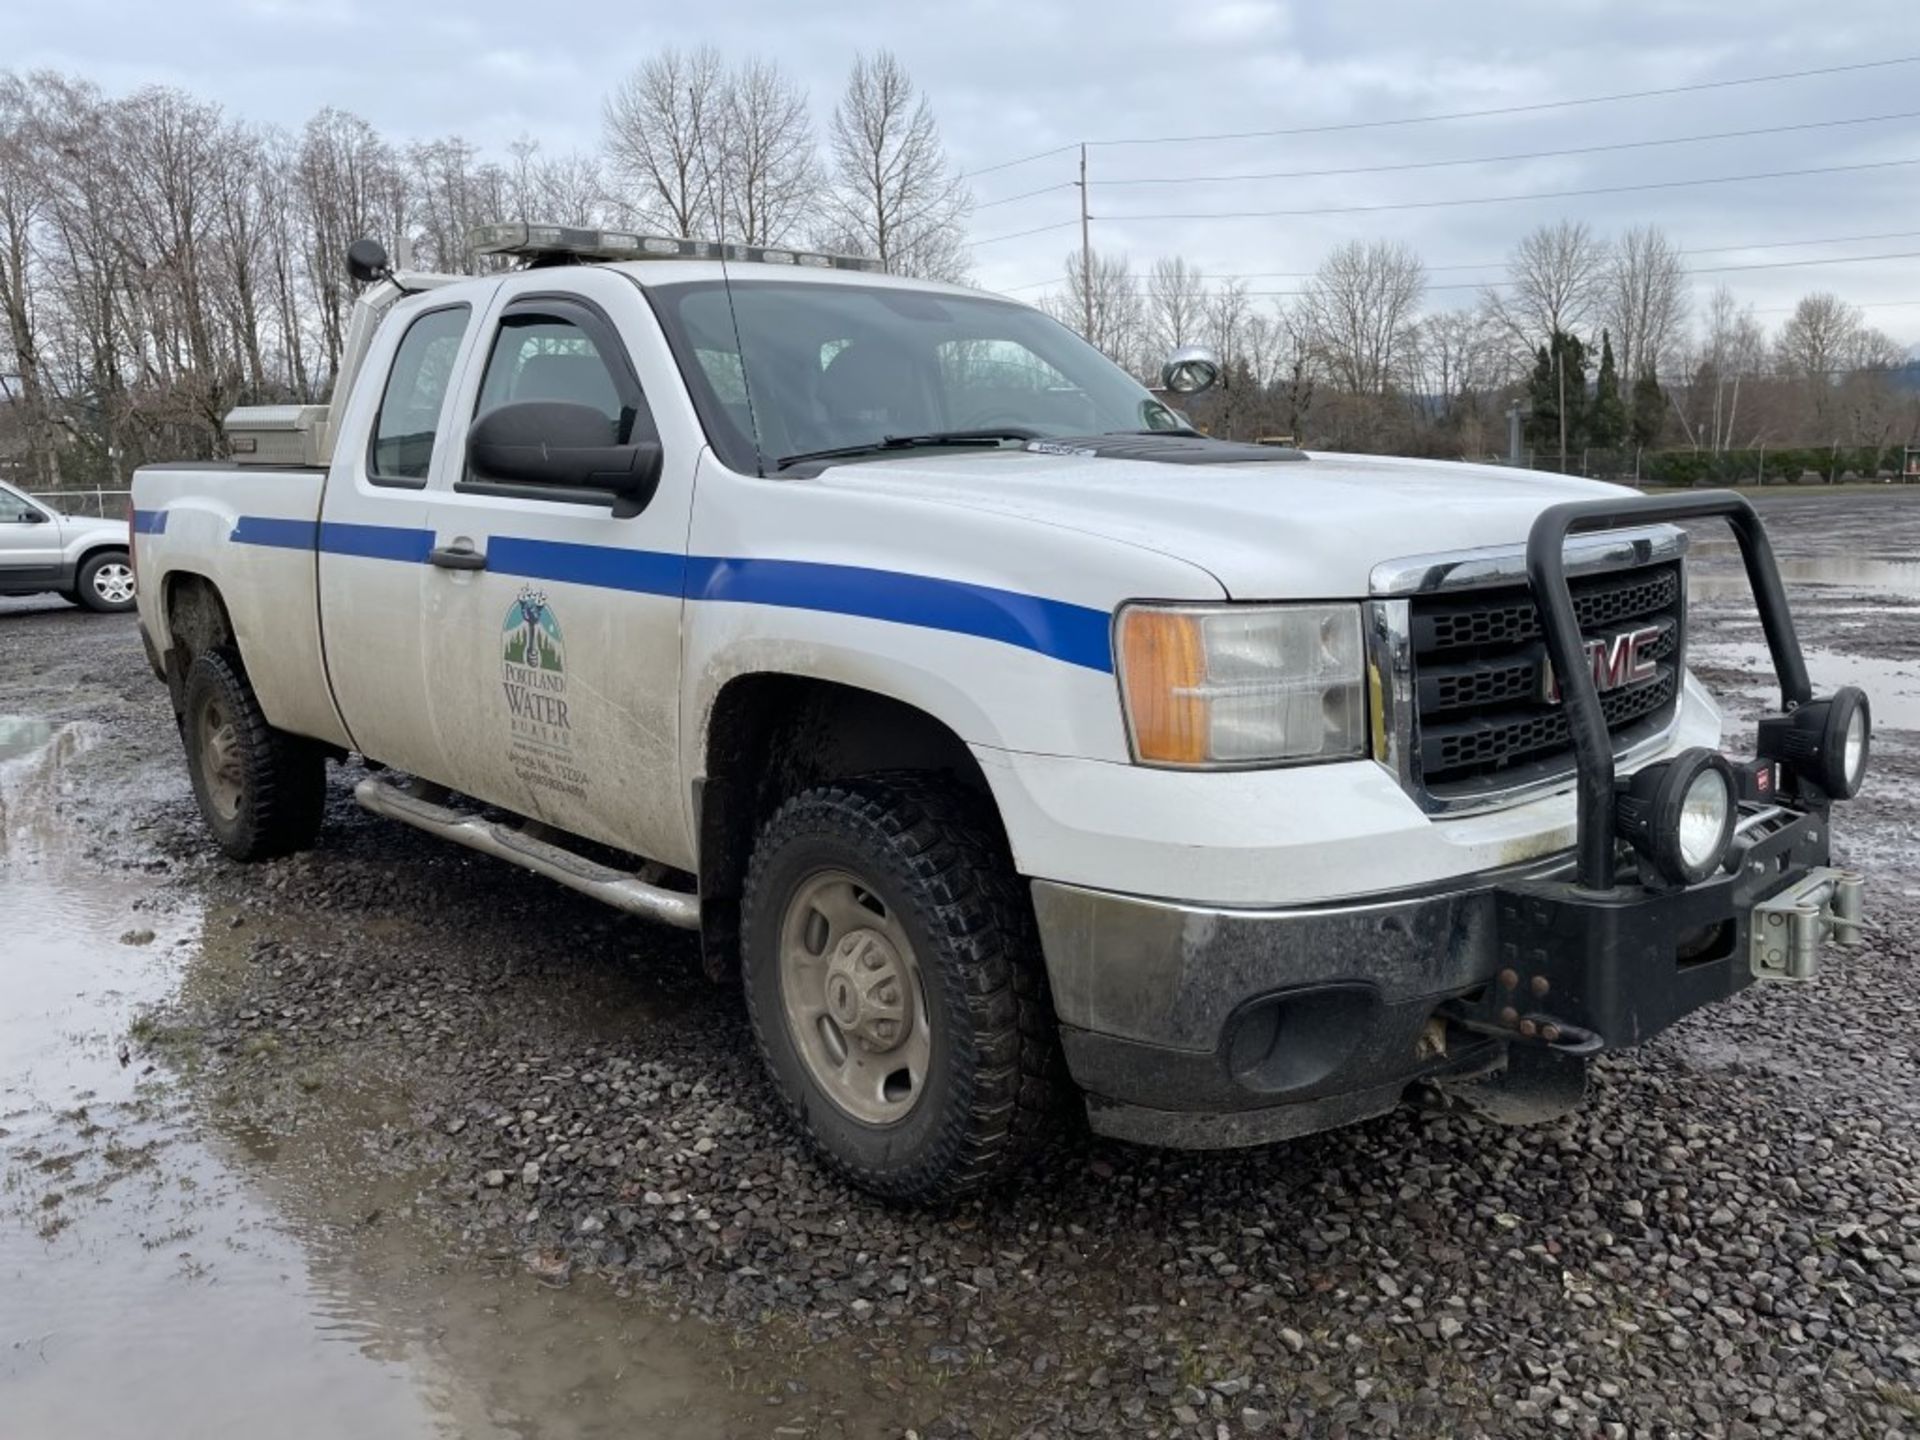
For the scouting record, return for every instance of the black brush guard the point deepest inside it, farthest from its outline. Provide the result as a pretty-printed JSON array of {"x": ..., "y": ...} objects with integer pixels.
[
  {"x": 1587, "y": 724},
  {"x": 1589, "y": 963}
]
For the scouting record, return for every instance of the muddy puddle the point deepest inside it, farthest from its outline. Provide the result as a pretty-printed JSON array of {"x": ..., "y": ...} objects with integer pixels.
[
  {"x": 1892, "y": 684},
  {"x": 165, "y": 1271},
  {"x": 1718, "y": 575}
]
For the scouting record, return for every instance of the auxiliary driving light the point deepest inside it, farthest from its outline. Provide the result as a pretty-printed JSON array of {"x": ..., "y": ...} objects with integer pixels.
[
  {"x": 1679, "y": 814},
  {"x": 1825, "y": 741}
]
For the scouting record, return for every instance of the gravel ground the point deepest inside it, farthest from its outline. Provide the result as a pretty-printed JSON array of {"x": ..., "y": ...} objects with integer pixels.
[{"x": 1724, "y": 1242}]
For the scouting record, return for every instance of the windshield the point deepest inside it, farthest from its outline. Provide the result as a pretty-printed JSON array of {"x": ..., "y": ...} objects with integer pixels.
[{"x": 798, "y": 368}]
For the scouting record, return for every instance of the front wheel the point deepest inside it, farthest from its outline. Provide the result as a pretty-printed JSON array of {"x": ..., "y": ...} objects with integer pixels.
[
  {"x": 894, "y": 984},
  {"x": 262, "y": 791},
  {"x": 105, "y": 582}
]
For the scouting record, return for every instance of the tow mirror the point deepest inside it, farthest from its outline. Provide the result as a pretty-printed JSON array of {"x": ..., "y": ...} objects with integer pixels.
[
  {"x": 554, "y": 449},
  {"x": 1190, "y": 370}
]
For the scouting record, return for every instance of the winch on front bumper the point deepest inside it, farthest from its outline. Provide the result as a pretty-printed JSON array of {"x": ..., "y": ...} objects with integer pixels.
[{"x": 1200, "y": 1026}]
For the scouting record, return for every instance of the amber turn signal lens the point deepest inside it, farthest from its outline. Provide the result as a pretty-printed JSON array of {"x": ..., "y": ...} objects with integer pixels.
[{"x": 1163, "y": 663}]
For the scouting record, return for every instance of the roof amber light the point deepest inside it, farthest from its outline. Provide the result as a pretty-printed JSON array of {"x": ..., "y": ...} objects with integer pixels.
[{"x": 535, "y": 242}]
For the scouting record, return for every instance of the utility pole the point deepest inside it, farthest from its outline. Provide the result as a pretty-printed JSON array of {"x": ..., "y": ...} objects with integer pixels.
[
  {"x": 1086, "y": 252},
  {"x": 1560, "y": 365}
]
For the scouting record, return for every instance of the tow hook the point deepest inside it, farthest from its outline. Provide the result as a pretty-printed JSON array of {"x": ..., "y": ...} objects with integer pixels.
[
  {"x": 1536, "y": 1028},
  {"x": 1789, "y": 927}
]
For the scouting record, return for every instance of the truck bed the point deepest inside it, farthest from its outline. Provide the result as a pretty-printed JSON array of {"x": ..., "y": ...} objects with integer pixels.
[{"x": 251, "y": 531}]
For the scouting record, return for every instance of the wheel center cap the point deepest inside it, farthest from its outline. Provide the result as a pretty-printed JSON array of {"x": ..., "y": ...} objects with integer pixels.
[{"x": 866, "y": 990}]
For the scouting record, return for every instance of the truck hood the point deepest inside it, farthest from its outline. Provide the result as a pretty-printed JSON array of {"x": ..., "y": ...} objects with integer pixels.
[{"x": 1278, "y": 529}]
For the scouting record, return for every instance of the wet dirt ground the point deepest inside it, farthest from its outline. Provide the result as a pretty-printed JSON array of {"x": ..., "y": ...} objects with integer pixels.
[{"x": 389, "y": 1139}]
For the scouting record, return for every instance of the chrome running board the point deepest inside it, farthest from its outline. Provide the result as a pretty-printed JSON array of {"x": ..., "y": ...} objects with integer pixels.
[{"x": 617, "y": 888}]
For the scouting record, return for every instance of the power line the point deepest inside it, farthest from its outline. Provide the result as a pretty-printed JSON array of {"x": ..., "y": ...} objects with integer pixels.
[
  {"x": 1497, "y": 264},
  {"x": 1459, "y": 114},
  {"x": 1023, "y": 160},
  {"x": 1143, "y": 284},
  {"x": 1482, "y": 159},
  {"x": 1506, "y": 199},
  {"x": 1026, "y": 195}
]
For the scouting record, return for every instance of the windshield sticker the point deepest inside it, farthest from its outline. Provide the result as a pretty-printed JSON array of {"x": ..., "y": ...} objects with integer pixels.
[
  {"x": 1053, "y": 447},
  {"x": 533, "y": 676}
]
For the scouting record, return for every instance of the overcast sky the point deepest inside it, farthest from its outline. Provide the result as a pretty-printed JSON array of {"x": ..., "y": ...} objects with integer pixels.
[{"x": 1007, "y": 79}]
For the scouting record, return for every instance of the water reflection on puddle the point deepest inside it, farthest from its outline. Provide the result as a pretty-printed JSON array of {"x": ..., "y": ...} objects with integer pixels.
[
  {"x": 1893, "y": 686},
  {"x": 1721, "y": 578},
  {"x": 160, "y": 1278}
]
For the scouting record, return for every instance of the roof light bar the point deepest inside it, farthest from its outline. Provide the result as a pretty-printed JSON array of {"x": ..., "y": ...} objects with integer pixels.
[{"x": 535, "y": 241}]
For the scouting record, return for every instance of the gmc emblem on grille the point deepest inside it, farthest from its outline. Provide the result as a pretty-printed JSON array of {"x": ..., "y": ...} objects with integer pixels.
[{"x": 1625, "y": 658}]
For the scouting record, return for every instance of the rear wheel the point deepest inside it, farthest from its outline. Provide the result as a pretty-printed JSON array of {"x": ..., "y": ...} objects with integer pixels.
[
  {"x": 105, "y": 581},
  {"x": 895, "y": 988},
  {"x": 262, "y": 791}
]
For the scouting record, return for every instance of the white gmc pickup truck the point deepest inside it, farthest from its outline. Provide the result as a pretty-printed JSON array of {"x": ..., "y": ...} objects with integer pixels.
[{"x": 991, "y": 724}]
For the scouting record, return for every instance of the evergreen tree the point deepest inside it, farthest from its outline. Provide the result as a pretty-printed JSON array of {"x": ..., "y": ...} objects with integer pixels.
[
  {"x": 1559, "y": 370},
  {"x": 1649, "y": 409},
  {"x": 1607, "y": 425}
]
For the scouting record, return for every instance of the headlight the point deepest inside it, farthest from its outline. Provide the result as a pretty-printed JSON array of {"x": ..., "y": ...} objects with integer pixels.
[{"x": 1243, "y": 685}]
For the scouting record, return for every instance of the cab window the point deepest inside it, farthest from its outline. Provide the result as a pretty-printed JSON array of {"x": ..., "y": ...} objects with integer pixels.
[
  {"x": 16, "y": 509},
  {"x": 549, "y": 357},
  {"x": 403, "y": 433}
]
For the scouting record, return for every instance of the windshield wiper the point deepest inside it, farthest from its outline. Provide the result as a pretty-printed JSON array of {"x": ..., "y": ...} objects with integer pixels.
[{"x": 991, "y": 436}]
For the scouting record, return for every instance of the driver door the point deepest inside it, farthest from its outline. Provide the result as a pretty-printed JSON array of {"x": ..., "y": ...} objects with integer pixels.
[{"x": 554, "y": 650}]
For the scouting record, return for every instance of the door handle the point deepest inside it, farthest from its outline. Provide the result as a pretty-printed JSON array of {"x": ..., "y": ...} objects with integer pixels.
[{"x": 457, "y": 557}]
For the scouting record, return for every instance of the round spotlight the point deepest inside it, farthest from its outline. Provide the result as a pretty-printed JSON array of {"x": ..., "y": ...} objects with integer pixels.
[
  {"x": 1680, "y": 814},
  {"x": 1829, "y": 742}
]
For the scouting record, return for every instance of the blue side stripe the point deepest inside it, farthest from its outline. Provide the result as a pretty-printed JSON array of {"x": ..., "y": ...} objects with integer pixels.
[
  {"x": 375, "y": 542},
  {"x": 1076, "y": 634},
  {"x": 1073, "y": 633},
  {"x": 149, "y": 522},
  {"x": 281, "y": 534},
  {"x": 645, "y": 572}
]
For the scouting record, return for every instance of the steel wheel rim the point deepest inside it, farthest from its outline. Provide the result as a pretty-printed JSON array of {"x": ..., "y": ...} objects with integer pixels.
[
  {"x": 220, "y": 758},
  {"x": 113, "y": 582},
  {"x": 854, "y": 999}
]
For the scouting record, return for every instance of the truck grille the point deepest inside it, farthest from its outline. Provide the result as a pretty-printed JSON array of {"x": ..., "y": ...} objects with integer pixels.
[{"x": 1481, "y": 712}]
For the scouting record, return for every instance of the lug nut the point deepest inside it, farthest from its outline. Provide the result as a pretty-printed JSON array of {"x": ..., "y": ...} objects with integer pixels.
[
  {"x": 1509, "y": 1015},
  {"x": 1549, "y": 1033},
  {"x": 1540, "y": 985},
  {"x": 1509, "y": 979},
  {"x": 1528, "y": 1028}
]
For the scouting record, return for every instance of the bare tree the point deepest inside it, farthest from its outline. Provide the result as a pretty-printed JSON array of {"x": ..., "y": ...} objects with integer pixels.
[
  {"x": 894, "y": 193},
  {"x": 769, "y": 177},
  {"x": 1359, "y": 313},
  {"x": 1644, "y": 298},
  {"x": 1555, "y": 280},
  {"x": 24, "y": 198},
  {"x": 1822, "y": 337},
  {"x": 1107, "y": 292},
  {"x": 662, "y": 131},
  {"x": 1176, "y": 303}
]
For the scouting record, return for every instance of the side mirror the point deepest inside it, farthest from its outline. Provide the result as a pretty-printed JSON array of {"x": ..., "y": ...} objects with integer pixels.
[
  {"x": 1190, "y": 370},
  {"x": 554, "y": 449},
  {"x": 367, "y": 261},
  {"x": 34, "y": 517}
]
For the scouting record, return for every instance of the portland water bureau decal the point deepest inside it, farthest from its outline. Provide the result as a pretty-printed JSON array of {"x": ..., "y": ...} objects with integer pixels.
[{"x": 533, "y": 677}]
